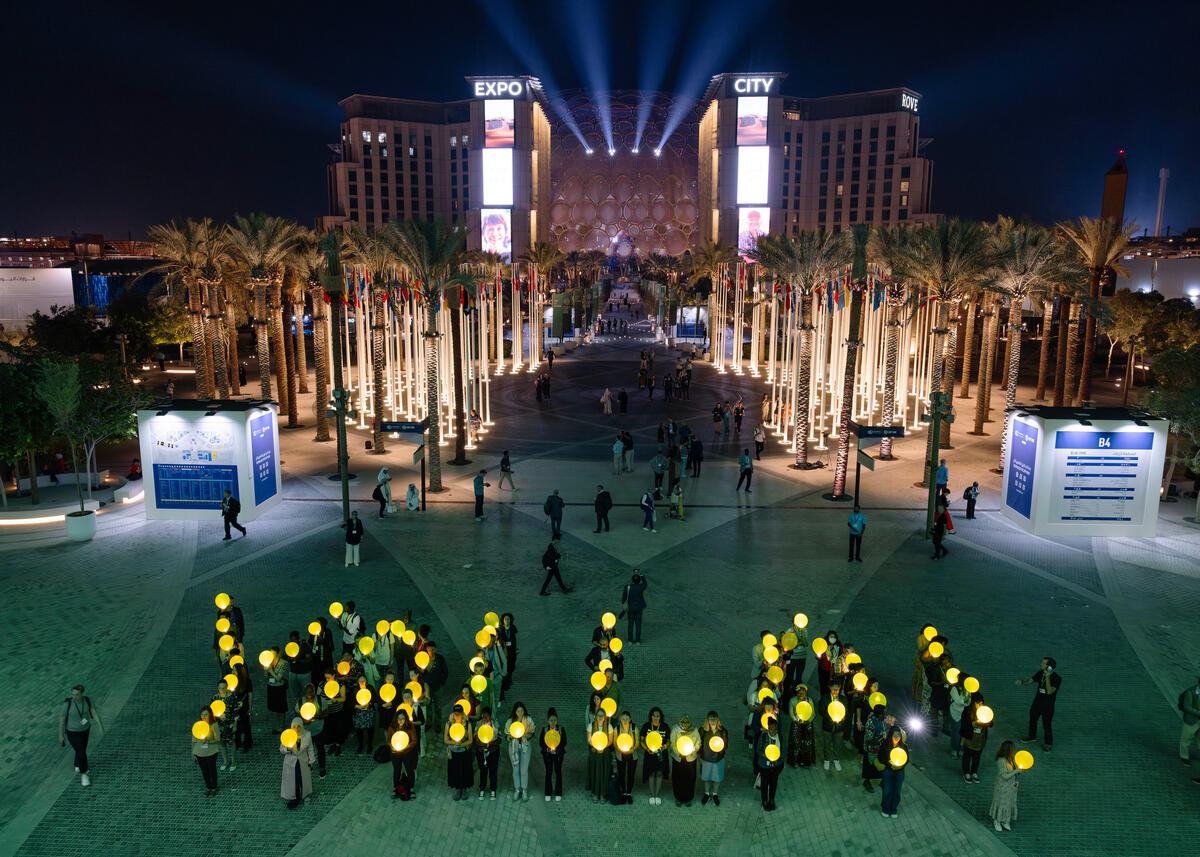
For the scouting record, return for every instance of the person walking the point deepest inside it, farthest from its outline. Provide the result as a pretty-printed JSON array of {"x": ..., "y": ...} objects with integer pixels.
[
  {"x": 714, "y": 743},
  {"x": 506, "y": 471},
  {"x": 553, "y": 743},
  {"x": 606, "y": 401},
  {"x": 768, "y": 753},
  {"x": 354, "y": 534},
  {"x": 971, "y": 495},
  {"x": 893, "y": 770},
  {"x": 622, "y": 401},
  {"x": 603, "y": 503},
  {"x": 943, "y": 477},
  {"x": 298, "y": 758},
  {"x": 1189, "y": 704},
  {"x": 1004, "y": 789},
  {"x": 647, "y": 507},
  {"x": 618, "y": 451},
  {"x": 550, "y": 562},
  {"x": 204, "y": 751},
  {"x": 1048, "y": 682},
  {"x": 75, "y": 725},
  {"x": 633, "y": 602},
  {"x": 940, "y": 522},
  {"x": 684, "y": 737},
  {"x": 857, "y": 523},
  {"x": 554, "y": 508},
  {"x": 230, "y": 509},
  {"x": 479, "y": 486},
  {"x": 745, "y": 470}
]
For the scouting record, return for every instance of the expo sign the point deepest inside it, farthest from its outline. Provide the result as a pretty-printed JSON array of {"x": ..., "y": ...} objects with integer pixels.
[
  {"x": 753, "y": 85},
  {"x": 908, "y": 102},
  {"x": 499, "y": 88}
]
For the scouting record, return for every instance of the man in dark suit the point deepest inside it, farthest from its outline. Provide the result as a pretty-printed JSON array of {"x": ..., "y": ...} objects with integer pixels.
[
  {"x": 230, "y": 509},
  {"x": 603, "y": 504}
]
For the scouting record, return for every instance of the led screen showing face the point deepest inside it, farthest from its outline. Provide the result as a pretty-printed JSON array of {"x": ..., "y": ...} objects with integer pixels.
[
  {"x": 752, "y": 222},
  {"x": 495, "y": 227},
  {"x": 752, "y": 121},
  {"x": 498, "y": 123},
  {"x": 752, "y": 174},
  {"x": 498, "y": 177}
]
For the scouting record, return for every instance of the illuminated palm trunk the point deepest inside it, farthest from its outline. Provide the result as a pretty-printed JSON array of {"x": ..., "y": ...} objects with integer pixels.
[
  {"x": 803, "y": 377},
  {"x": 853, "y": 343},
  {"x": 891, "y": 357},
  {"x": 321, "y": 363},
  {"x": 278, "y": 345},
  {"x": 1044, "y": 351},
  {"x": 262, "y": 334},
  {"x": 1014, "y": 366},
  {"x": 378, "y": 358},
  {"x": 968, "y": 348},
  {"x": 204, "y": 377},
  {"x": 432, "y": 408},
  {"x": 216, "y": 337}
]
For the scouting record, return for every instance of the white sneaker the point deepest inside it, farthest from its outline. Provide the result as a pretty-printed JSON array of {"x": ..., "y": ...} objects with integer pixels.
[
  {"x": 827, "y": 766},
  {"x": 84, "y": 780},
  {"x": 837, "y": 765}
]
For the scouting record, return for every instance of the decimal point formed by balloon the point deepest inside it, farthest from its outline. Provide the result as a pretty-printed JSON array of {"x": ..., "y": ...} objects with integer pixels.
[
  {"x": 654, "y": 741},
  {"x": 457, "y": 732},
  {"x": 599, "y": 741},
  {"x": 366, "y": 645},
  {"x": 217, "y": 707},
  {"x": 625, "y": 742},
  {"x": 486, "y": 733},
  {"x": 201, "y": 730},
  {"x": 836, "y": 711},
  {"x": 684, "y": 746},
  {"x": 291, "y": 649},
  {"x": 598, "y": 680},
  {"x": 984, "y": 714},
  {"x": 971, "y": 684},
  {"x": 308, "y": 711},
  {"x": 288, "y": 738},
  {"x": 336, "y": 609},
  {"x": 332, "y": 689},
  {"x": 716, "y": 743},
  {"x": 382, "y": 627},
  {"x": 400, "y": 741},
  {"x": 608, "y": 620},
  {"x": 553, "y": 738},
  {"x": 820, "y": 646},
  {"x": 771, "y": 752},
  {"x": 1023, "y": 760},
  {"x": 898, "y": 757},
  {"x": 222, "y": 601}
]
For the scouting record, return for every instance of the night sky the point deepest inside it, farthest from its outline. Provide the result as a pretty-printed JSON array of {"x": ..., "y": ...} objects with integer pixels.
[{"x": 115, "y": 118}]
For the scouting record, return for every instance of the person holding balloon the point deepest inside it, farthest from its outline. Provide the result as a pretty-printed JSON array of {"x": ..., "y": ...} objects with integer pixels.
[
  {"x": 296, "y": 746},
  {"x": 769, "y": 761},
  {"x": 685, "y": 750},
  {"x": 893, "y": 756},
  {"x": 519, "y": 729},
  {"x": 655, "y": 765},
  {"x": 403, "y": 741},
  {"x": 206, "y": 739},
  {"x": 714, "y": 739},
  {"x": 553, "y": 741},
  {"x": 487, "y": 752}
]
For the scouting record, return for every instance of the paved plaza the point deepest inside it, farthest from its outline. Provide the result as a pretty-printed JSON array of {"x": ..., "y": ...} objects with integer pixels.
[{"x": 130, "y": 615}]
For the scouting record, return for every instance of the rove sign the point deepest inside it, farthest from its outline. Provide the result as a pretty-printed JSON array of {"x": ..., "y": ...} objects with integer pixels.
[
  {"x": 753, "y": 85},
  {"x": 499, "y": 88},
  {"x": 907, "y": 102}
]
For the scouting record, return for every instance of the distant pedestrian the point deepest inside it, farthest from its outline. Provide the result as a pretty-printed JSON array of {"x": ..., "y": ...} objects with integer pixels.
[
  {"x": 760, "y": 441},
  {"x": 633, "y": 602},
  {"x": 647, "y": 507},
  {"x": 1189, "y": 704},
  {"x": 622, "y": 401},
  {"x": 479, "y": 486},
  {"x": 745, "y": 470},
  {"x": 971, "y": 495},
  {"x": 75, "y": 725},
  {"x": 554, "y": 508},
  {"x": 550, "y": 561},
  {"x": 602, "y": 503},
  {"x": 618, "y": 451},
  {"x": 230, "y": 509},
  {"x": 858, "y": 525},
  {"x": 354, "y": 534},
  {"x": 943, "y": 477},
  {"x": 1048, "y": 683}
]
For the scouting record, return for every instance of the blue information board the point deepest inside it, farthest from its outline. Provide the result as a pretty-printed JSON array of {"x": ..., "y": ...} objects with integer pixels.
[
  {"x": 262, "y": 457},
  {"x": 1022, "y": 452},
  {"x": 193, "y": 486}
]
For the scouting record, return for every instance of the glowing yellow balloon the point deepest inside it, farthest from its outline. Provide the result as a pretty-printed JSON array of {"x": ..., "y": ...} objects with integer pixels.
[
  {"x": 409, "y": 637},
  {"x": 836, "y": 711},
  {"x": 222, "y": 601},
  {"x": 789, "y": 641},
  {"x": 223, "y": 625},
  {"x": 400, "y": 741},
  {"x": 876, "y": 698},
  {"x": 415, "y": 688},
  {"x": 457, "y": 732},
  {"x": 952, "y": 675},
  {"x": 236, "y": 659},
  {"x": 898, "y": 757},
  {"x": 482, "y": 638},
  {"x": 231, "y": 681},
  {"x": 609, "y": 706},
  {"x": 516, "y": 729},
  {"x": 490, "y": 618},
  {"x": 552, "y": 738},
  {"x": 201, "y": 730},
  {"x": 336, "y": 609},
  {"x": 860, "y": 681},
  {"x": 984, "y": 715},
  {"x": 804, "y": 710},
  {"x": 654, "y": 741},
  {"x": 765, "y": 693},
  {"x": 421, "y": 659},
  {"x": 382, "y": 627},
  {"x": 343, "y": 668},
  {"x": 775, "y": 674},
  {"x": 800, "y": 620},
  {"x": 478, "y": 683},
  {"x": 266, "y": 657},
  {"x": 771, "y": 752},
  {"x": 929, "y": 632},
  {"x": 291, "y": 649},
  {"x": 464, "y": 705},
  {"x": 598, "y": 680},
  {"x": 605, "y": 664},
  {"x": 366, "y": 645},
  {"x": 288, "y": 738},
  {"x": 314, "y": 628},
  {"x": 397, "y": 628},
  {"x": 226, "y": 643},
  {"x": 971, "y": 684},
  {"x": 769, "y": 640},
  {"x": 363, "y": 697},
  {"x": 599, "y": 741},
  {"x": 716, "y": 743},
  {"x": 615, "y": 645},
  {"x": 308, "y": 711},
  {"x": 607, "y": 621},
  {"x": 820, "y": 646},
  {"x": 684, "y": 745},
  {"x": 217, "y": 707},
  {"x": 770, "y": 654},
  {"x": 936, "y": 650},
  {"x": 486, "y": 733},
  {"x": 624, "y": 742},
  {"x": 332, "y": 689},
  {"x": 1023, "y": 760},
  {"x": 387, "y": 692}
]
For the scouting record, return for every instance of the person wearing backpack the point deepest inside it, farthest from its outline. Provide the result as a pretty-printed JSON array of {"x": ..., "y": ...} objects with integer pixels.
[
  {"x": 1189, "y": 704},
  {"x": 971, "y": 495},
  {"x": 75, "y": 724},
  {"x": 550, "y": 562}
]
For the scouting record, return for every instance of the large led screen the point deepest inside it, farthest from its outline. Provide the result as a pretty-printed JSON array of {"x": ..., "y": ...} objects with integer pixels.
[
  {"x": 752, "y": 174},
  {"x": 752, "y": 121},
  {"x": 498, "y": 177},
  {"x": 495, "y": 228},
  {"x": 752, "y": 223},
  {"x": 498, "y": 123}
]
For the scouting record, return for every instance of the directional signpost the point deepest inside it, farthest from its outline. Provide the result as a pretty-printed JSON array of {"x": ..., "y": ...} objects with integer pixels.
[{"x": 868, "y": 436}]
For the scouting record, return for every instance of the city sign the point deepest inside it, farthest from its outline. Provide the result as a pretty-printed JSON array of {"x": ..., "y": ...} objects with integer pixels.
[
  {"x": 908, "y": 102},
  {"x": 500, "y": 88},
  {"x": 754, "y": 85}
]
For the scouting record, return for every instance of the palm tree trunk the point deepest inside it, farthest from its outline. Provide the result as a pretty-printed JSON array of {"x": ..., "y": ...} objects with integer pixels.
[
  {"x": 377, "y": 365},
  {"x": 301, "y": 351},
  {"x": 262, "y": 337},
  {"x": 460, "y": 422},
  {"x": 279, "y": 345},
  {"x": 939, "y": 345},
  {"x": 1014, "y": 370},
  {"x": 231, "y": 334},
  {"x": 432, "y": 400},
  {"x": 803, "y": 377},
  {"x": 321, "y": 364},
  {"x": 1089, "y": 339},
  {"x": 1044, "y": 352},
  {"x": 853, "y": 342},
  {"x": 204, "y": 378},
  {"x": 1072, "y": 352},
  {"x": 983, "y": 393},
  {"x": 891, "y": 355},
  {"x": 968, "y": 348},
  {"x": 1060, "y": 358}
]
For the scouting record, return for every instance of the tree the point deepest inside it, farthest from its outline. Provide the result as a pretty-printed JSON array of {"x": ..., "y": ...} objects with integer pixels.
[
  {"x": 1099, "y": 243},
  {"x": 1175, "y": 395}
]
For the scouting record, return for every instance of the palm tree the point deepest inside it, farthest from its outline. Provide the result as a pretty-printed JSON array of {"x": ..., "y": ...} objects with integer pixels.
[
  {"x": 1100, "y": 243},
  {"x": 431, "y": 253},
  {"x": 886, "y": 249},
  {"x": 182, "y": 247},
  {"x": 311, "y": 260},
  {"x": 947, "y": 258},
  {"x": 857, "y": 286},
  {"x": 261, "y": 244}
]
